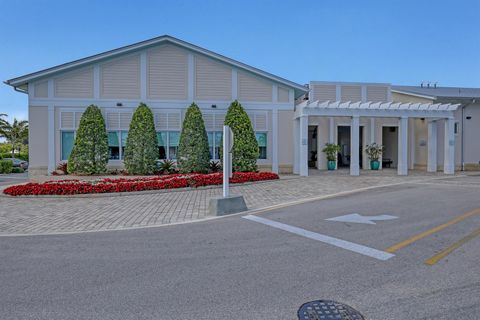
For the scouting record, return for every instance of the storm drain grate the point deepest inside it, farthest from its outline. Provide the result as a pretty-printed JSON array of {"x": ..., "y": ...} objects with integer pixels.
[{"x": 327, "y": 310}]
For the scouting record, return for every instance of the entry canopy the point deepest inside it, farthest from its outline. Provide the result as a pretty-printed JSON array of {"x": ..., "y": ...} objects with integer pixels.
[{"x": 375, "y": 109}]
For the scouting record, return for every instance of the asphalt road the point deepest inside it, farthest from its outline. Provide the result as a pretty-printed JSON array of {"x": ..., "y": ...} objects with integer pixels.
[{"x": 233, "y": 268}]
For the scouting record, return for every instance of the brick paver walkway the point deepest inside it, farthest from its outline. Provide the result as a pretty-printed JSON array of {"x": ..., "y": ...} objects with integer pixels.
[{"x": 32, "y": 215}]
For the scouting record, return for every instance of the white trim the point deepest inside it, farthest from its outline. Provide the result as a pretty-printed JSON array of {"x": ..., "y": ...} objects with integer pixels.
[
  {"x": 432, "y": 146},
  {"x": 413, "y": 94},
  {"x": 96, "y": 81},
  {"x": 143, "y": 75},
  {"x": 411, "y": 144},
  {"x": 303, "y": 156},
  {"x": 274, "y": 93},
  {"x": 51, "y": 89},
  {"x": 331, "y": 130},
  {"x": 402, "y": 165},
  {"x": 449, "y": 147},
  {"x": 364, "y": 93},
  {"x": 291, "y": 96},
  {"x": 191, "y": 77},
  {"x": 234, "y": 84},
  {"x": 274, "y": 140},
  {"x": 338, "y": 92},
  {"x": 355, "y": 146},
  {"x": 31, "y": 91},
  {"x": 51, "y": 138},
  {"x": 351, "y": 83}
]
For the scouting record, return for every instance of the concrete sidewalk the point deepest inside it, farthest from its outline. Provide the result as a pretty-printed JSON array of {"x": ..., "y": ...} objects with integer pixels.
[{"x": 45, "y": 215}]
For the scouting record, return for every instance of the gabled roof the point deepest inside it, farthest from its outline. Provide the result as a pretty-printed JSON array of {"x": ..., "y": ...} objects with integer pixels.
[
  {"x": 439, "y": 92},
  {"x": 22, "y": 81}
]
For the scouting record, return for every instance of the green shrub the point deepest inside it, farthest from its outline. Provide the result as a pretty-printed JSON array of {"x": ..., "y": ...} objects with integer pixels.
[
  {"x": 90, "y": 150},
  {"x": 193, "y": 153},
  {"x": 141, "y": 150},
  {"x": 6, "y": 166},
  {"x": 166, "y": 166},
  {"x": 245, "y": 146},
  {"x": 17, "y": 170}
]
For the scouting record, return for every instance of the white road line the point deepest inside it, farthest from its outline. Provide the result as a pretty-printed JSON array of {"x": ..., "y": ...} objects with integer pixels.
[{"x": 358, "y": 248}]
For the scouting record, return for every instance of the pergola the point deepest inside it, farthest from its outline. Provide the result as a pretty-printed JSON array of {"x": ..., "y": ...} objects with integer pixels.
[{"x": 355, "y": 110}]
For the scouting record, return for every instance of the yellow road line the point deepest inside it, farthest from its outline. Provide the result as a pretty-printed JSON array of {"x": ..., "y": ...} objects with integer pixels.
[
  {"x": 454, "y": 246},
  {"x": 422, "y": 235}
]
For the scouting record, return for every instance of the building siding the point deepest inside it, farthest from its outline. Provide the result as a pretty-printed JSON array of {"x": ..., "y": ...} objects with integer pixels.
[
  {"x": 213, "y": 80},
  {"x": 351, "y": 93},
  {"x": 324, "y": 92},
  {"x": 41, "y": 90},
  {"x": 167, "y": 73},
  {"x": 75, "y": 84},
  {"x": 283, "y": 94},
  {"x": 121, "y": 78},
  {"x": 38, "y": 138},
  {"x": 377, "y": 93},
  {"x": 252, "y": 88}
]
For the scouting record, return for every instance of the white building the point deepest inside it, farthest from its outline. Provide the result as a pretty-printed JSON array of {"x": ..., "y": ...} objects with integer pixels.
[{"x": 421, "y": 128}]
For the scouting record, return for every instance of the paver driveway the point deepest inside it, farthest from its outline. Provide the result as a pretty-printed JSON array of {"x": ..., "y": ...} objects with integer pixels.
[{"x": 43, "y": 215}]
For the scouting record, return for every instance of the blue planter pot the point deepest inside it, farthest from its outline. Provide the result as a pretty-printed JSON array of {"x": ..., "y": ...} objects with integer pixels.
[
  {"x": 332, "y": 165},
  {"x": 374, "y": 164}
]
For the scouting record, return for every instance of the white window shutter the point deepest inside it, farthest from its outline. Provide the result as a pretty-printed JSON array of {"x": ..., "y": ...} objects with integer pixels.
[
  {"x": 125, "y": 119},
  {"x": 67, "y": 120}
]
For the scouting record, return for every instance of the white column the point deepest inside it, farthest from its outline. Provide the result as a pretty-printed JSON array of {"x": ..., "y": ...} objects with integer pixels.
[
  {"x": 275, "y": 140},
  {"x": 372, "y": 130},
  {"x": 303, "y": 157},
  {"x": 355, "y": 146},
  {"x": 432, "y": 147},
  {"x": 331, "y": 130},
  {"x": 449, "y": 157},
  {"x": 403, "y": 146},
  {"x": 296, "y": 146},
  {"x": 411, "y": 143},
  {"x": 51, "y": 139}
]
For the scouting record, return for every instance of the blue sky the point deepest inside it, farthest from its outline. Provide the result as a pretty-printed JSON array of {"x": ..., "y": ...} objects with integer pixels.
[{"x": 400, "y": 42}]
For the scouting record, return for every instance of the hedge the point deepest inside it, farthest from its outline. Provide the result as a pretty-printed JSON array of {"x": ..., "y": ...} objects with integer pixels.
[
  {"x": 193, "y": 154},
  {"x": 245, "y": 146},
  {"x": 90, "y": 150},
  {"x": 141, "y": 150}
]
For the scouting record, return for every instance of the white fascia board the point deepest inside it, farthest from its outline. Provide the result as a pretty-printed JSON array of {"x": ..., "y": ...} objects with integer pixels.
[
  {"x": 414, "y": 94},
  {"x": 143, "y": 45},
  {"x": 351, "y": 83}
]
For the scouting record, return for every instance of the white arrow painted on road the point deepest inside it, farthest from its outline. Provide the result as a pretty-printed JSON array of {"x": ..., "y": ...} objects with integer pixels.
[{"x": 358, "y": 218}]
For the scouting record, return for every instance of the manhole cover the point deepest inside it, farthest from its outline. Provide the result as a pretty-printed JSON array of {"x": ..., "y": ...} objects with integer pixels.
[{"x": 327, "y": 310}]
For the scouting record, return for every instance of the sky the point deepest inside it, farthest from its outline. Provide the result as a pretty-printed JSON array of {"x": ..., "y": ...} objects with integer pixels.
[{"x": 400, "y": 42}]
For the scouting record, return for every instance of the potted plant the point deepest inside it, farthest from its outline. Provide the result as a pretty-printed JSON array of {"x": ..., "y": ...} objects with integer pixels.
[
  {"x": 374, "y": 151},
  {"x": 331, "y": 150}
]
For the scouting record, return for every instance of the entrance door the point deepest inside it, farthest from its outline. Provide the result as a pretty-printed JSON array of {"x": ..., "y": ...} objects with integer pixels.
[
  {"x": 312, "y": 146},
  {"x": 343, "y": 139},
  {"x": 390, "y": 143}
]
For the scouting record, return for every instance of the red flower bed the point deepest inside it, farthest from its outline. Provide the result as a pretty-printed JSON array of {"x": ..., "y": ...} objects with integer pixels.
[{"x": 173, "y": 181}]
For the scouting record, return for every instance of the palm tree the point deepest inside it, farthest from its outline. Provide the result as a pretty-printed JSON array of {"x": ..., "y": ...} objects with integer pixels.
[{"x": 15, "y": 133}]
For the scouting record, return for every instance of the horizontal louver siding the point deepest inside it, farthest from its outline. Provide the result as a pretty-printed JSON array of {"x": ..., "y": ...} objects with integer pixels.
[
  {"x": 377, "y": 93},
  {"x": 118, "y": 120},
  {"x": 213, "y": 80},
  {"x": 213, "y": 121},
  {"x": 168, "y": 120},
  {"x": 121, "y": 78},
  {"x": 70, "y": 120},
  {"x": 167, "y": 73},
  {"x": 259, "y": 120},
  {"x": 324, "y": 93},
  {"x": 351, "y": 93},
  {"x": 282, "y": 94},
  {"x": 77, "y": 84},
  {"x": 251, "y": 88},
  {"x": 41, "y": 90}
]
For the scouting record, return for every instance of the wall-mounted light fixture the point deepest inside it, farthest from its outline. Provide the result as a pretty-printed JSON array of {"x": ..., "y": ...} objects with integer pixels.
[
  {"x": 468, "y": 118},
  {"x": 214, "y": 106},
  {"x": 119, "y": 104}
]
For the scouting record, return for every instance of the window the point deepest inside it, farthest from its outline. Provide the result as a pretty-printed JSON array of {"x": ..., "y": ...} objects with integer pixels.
[
  {"x": 116, "y": 144},
  {"x": 68, "y": 138},
  {"x": 168, "y": 142},
  {"x": 214, "y": 143},
  {"x": 262, "y": 144}
]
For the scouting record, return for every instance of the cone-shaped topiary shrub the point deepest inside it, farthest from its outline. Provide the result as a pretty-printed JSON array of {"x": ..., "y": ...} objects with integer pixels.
[
  {"x": 193, "y": 154},
  {"x": 141, "y": 149},
  {"x": 90, "y": 150},
  {"x": 245, "y": 146}
]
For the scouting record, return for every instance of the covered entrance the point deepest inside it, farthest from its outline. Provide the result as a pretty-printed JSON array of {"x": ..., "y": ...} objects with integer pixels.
[{"x": 384, "y": 123}]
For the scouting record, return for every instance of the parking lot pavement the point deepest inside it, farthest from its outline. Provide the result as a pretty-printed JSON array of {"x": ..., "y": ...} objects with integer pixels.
[{"x": 234, "y": 268}]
